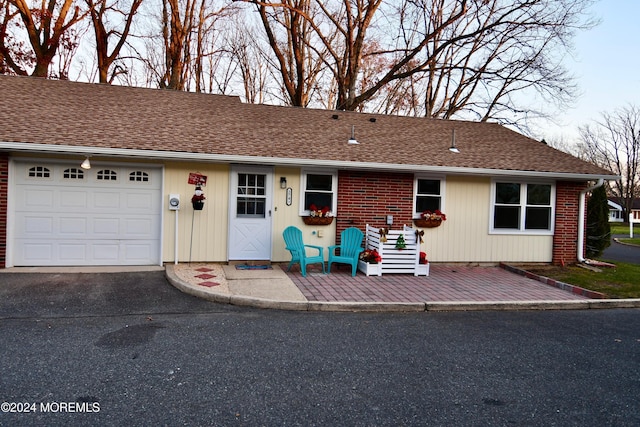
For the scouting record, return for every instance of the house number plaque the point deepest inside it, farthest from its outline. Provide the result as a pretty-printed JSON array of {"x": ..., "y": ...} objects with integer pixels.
[{"x": 289, "y": 196}]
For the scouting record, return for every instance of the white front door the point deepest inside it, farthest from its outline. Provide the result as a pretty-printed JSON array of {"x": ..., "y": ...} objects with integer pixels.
[{"x": 250, "y": 213}]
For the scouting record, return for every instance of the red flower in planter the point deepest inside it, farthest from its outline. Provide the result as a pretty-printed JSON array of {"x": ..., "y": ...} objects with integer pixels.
[
  {"x": 314, "y": 211},
  {"x": 438, "y": 215},
  {"x": 370, "y": 256}
]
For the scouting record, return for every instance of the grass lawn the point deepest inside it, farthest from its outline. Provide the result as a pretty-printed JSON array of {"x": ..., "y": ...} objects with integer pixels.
[
  {"x": 623, "y": 228},
  {"x": 623, "y": 281},
  {"x": 634, "y": 241}
]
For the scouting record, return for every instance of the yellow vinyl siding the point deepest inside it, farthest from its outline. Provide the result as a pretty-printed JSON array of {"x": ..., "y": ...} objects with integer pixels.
[
  {"x": 465, "y": 237},
  {"x": 209, "y": 225},
  {"x": 285, "y": 216}
]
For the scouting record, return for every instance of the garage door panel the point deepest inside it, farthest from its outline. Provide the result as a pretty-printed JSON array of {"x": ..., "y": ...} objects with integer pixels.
[
  {"x": 139, "y": 201},
  {"x": 106, "y": 227},
  {"x": 36, "y": 252},
  {"x": 105, "y": 201},
  {"x": 32, "y": 198},
  {"x": 36, "y": 225},
  {"x": 106, "y": 252},
  {"x": 138, "y": 251},
  {"x": 72, "y": 226},
  {"x": 87, "y": 221},
  {"x": 71, "y": 252},
  {"x": 72, "y": 199},
  {"x": 138, "y": 226}
]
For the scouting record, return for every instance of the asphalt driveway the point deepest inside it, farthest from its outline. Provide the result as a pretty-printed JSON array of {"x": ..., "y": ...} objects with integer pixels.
[
  {"x": 24, "y": 295},
  {"x": 142, "y": 353},
  {"x": 622, "y": 253}
]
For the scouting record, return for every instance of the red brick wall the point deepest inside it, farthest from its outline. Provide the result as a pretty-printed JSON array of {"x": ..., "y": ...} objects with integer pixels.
[
  {"x": 565, "y": 238},
  {"x": 368, "y": 197},
  {"x": 4, "y": 187}
]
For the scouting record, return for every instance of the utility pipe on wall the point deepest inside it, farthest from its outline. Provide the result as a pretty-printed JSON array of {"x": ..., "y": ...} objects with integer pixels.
[
  {"x": 581, "y": 213},
  {"x": 175, "y": 255}
]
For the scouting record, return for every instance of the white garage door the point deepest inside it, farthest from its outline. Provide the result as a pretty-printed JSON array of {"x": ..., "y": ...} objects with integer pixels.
[{"x": 64, "y": 215}]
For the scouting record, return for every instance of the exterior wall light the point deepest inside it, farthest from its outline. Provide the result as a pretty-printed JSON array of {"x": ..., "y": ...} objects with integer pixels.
[{"x": 86, "y": 164}]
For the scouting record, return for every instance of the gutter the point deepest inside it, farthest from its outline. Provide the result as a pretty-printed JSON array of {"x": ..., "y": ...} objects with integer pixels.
[
  {"x": 581, "y": 221},
  {"x": 280, "y": 161}
]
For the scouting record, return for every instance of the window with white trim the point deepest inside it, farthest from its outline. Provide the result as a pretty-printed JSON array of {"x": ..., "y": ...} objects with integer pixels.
[
  {"x": 522, "y": 207},
  {"x": 319, "y": 189},
  {"x": 428, "y": 195},
  {"x": 251, "y": 201}
]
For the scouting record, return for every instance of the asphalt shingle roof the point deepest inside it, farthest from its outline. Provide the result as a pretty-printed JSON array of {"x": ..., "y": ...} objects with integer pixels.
[{"x": 102, "y": 116}]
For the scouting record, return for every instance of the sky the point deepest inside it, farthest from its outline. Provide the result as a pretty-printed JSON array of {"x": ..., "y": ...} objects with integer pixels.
[{"x": 606, "y": 63}]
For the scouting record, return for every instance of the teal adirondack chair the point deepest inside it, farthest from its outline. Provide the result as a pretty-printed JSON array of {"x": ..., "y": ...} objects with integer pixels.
[
  {"x": 293, "y": 240},
  {"x": 350, "y": 248}
]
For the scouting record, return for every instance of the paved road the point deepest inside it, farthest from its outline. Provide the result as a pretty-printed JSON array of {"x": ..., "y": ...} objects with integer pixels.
[
  {"x": 140, "y": 352},
  {"x": 622, "y": 253}
]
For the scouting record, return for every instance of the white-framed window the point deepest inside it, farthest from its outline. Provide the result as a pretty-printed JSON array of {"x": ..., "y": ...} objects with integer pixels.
[
  {"x": 319, "y": 188},
  {"x": 522, "y": 207},
  {"x": 251, "y": 201},
  {"x": 428, "y": 194}
]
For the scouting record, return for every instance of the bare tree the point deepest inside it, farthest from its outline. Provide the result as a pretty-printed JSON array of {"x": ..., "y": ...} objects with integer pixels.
[
  {"x": 180, "y": 52},
  {"x": 437, "y": 58},
  {"x": 103, "y": 13},
  {"x": 614, "y": 143},
  {"x": 177, "y": 23},
  {"x": 47, "y": 27},
  {"x": 15, "y": 55},
  {"x": 289, "y": 30}
]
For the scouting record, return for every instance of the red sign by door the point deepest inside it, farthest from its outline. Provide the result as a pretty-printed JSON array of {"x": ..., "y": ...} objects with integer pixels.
[{"x": 197, "y": 179}]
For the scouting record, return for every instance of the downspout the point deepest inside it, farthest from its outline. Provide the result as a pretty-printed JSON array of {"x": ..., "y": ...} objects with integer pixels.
[{"x": 581, "y": 213}]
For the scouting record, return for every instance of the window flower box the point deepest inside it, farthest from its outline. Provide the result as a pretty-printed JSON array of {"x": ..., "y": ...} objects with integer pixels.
[
  {"x": 427, "y": 223},
  {"x": 318, "y": 216},
  {"x": 317, "y": 220},
  {"x": 430, "y": 219}
]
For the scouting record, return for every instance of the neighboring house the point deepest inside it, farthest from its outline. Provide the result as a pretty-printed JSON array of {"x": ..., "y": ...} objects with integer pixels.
[
  {"x": 616, "y": 210},
  {"x": 507, "y": 197}
]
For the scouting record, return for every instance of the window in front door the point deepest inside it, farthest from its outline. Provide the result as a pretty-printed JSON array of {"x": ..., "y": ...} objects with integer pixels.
[{"x": 251, "y": 200}]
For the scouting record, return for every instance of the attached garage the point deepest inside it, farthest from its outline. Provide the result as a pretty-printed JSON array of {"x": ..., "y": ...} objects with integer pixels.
[{"x": 67, "y": 216}]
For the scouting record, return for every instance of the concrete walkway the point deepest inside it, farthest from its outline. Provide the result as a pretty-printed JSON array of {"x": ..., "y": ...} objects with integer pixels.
[{"x": 447, "y": 288}]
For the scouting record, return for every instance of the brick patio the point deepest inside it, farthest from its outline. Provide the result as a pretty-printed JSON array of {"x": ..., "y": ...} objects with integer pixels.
[{"x": 445, "y": 283}]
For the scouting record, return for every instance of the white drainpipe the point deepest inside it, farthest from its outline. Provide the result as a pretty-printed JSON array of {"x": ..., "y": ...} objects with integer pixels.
[{"x": 581, "y": 211}]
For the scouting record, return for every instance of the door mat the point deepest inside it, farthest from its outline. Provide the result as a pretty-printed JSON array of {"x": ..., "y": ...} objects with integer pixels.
[{"x": 252, "y": 267}]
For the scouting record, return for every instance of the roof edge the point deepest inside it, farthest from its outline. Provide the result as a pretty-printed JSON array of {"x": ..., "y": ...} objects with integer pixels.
[{"x": 335, "y": 164}]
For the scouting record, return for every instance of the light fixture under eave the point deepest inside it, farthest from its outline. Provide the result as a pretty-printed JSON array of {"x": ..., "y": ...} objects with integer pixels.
[
  {"x": 453, "y": 147},
  {"x": 86, "y": 164},
  {"x": 283, "y": 182},
  {"x": 352, "y": 140}
]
